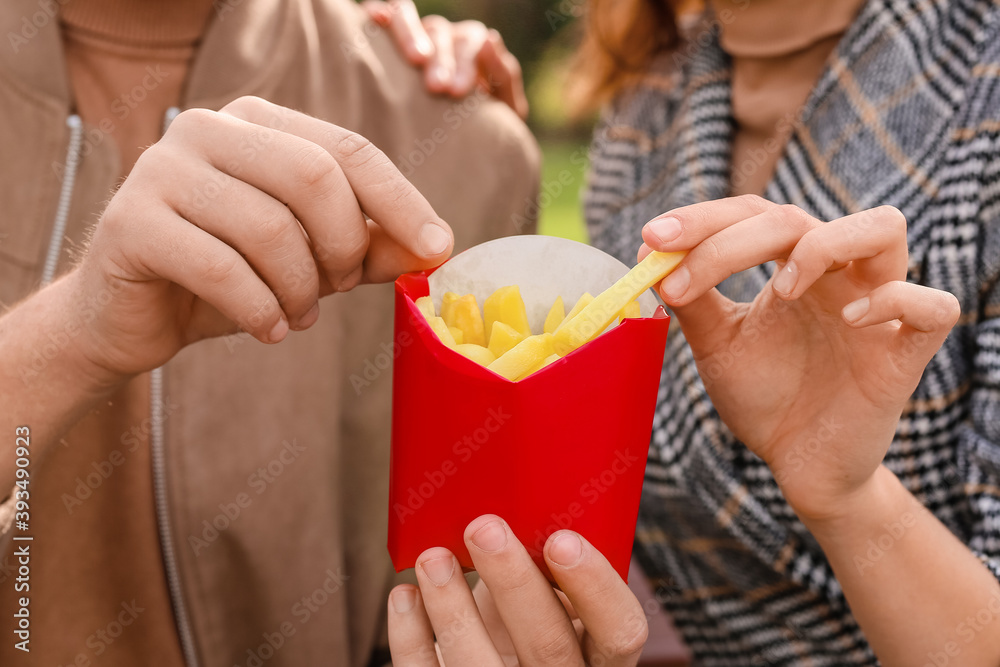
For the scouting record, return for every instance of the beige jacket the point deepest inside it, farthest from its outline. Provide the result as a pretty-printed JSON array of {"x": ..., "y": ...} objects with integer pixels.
[{"x": 266, "y": 541}]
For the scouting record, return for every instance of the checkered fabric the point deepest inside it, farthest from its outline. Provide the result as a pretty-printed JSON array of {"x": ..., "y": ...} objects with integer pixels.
[{"x": 907, "y": 113}]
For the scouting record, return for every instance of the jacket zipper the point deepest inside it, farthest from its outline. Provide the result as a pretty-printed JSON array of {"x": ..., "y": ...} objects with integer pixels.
[
  {"x": 65, "y": 197},
  {"x": 157, "y": 444}
]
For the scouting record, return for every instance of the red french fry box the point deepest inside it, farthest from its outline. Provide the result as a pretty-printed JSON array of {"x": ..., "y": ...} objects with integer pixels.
[{"x": 563, "y": 448}]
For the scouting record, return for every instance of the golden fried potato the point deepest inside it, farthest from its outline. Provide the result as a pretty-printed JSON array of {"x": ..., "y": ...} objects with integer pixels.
[
  {"x": 521, "y": 359},
  {"x": 477, "y": 353},
  {"x": 557, "y": 313},
  {"x": 503, "y": 337},
  {"x": 506, "y": 305}
]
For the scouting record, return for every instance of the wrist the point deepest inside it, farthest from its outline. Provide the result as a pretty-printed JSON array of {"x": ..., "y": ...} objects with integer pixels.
[
  {"x": 70, "y": 335},
  {"x": 881, "y": 499}
]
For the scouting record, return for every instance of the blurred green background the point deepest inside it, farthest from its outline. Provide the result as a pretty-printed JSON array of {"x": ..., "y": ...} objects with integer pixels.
[{"x": 543, "y": 34}]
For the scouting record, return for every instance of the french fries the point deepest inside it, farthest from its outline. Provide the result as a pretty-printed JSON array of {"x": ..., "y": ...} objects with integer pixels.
[
  {"x": 595, "y": 317},
  {"x": 501, "y": 339}
]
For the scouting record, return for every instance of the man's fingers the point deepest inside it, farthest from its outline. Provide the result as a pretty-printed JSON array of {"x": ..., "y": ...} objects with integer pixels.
[
  {"x": 175, "y": 250},
  {"x": 543, "y": 637},
  {"x": 388, "y": 198},
  {"x": 614, "y": 619},
  {"x": 411, "y": 637},
  {"x": 461, "y": 635},
  {"x": 873, "y": 241},
  {"x": 440, "y": 71},
  {"x": 261, "y": 229}
]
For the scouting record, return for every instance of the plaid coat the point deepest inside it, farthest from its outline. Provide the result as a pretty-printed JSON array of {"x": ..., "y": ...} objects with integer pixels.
[{"x": 906, "y": 113}]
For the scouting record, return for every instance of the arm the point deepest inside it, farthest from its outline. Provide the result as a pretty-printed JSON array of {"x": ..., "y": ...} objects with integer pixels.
[{"x": 829, "y": 352}]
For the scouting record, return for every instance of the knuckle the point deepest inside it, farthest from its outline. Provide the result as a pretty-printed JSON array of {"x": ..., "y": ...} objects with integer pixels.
[
  {"x": 560, "y": 648},
  {"x": 269, "y": 224},
  {"x": 216, "y": 269},
  {"x": 754, "y": 203},
  {"x": 192, "y": 120},
  {"x": 311, "y": 165},
  {"x": 358, "y": 152},
  {"x": 713, "y": 251},
  {"x": 796, "y": 218},
  {"x": 632, "y": 637},
  {"x": 436, "y": 22},
  {"x": 246, "y": 107}
]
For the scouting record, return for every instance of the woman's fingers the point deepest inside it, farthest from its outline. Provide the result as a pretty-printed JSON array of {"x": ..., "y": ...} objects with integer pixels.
[
  {"x": 502, "y": 72},
  {"x": 401, "y": 19},
  {"x": 873, "y": 241},
  {"x": 615, "y": 624},
  {"x": 461, "y": 635},
  {"x": 539, "y": 628},
  {"x": 440, "y": 71},
  {"x": 926, "y": 316},
  {"x": 684, "y": 228},
  {"x": 411, "y": 637},
  {"x": 737, "y": 246}
]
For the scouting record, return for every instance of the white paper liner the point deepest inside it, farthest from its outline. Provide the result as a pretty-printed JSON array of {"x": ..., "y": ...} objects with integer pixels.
[{"x": 544, "y": 267}]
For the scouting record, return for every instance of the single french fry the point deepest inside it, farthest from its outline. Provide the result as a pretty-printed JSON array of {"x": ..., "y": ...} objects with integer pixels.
[
  {"x": 523, "y": 357},
  {"x": 598, "y": 314},
  {"x": 441, "y": 329},
  {"x": 557, "y": 313},
  {"x": 629, "y": 311},
  {"x": 457, "y": 334},
  {"x": 426, "y": 306},
  {"x": 545, "y": 362},
  {"x": 477, "y": 353},
  {"x": 580, "y": 304},
  {"x": 506, "y": 305},
  {"x": 463, "y": 314},
  {"x": 448, "y": 300},
  {"x": 503, "y": 337}
]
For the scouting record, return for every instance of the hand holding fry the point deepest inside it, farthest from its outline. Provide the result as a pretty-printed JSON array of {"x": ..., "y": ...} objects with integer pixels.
[{"x": 837, "y": 340}]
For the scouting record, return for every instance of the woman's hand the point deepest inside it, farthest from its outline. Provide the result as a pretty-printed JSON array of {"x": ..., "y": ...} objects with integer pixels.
[
  {"x": 814, "y": 373},
  {"x": 515, "y": 617},
  {"x": 455, "y": 57},
  {"x": 243, "y": 219}
]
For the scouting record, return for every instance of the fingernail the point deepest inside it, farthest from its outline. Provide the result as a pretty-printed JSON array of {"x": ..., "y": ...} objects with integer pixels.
[
  {"x": 403, "y": 600},
  {"x": 309, "y": 318},
  {"x": 784, "y": 282},
  {"x": 676, "y": 284},
  {"x": 566, "y": 549},
  {"x": 666, "y": 229},
  {"x": 439, "y": 570},
  {"x": 434, "y": 240},
  {"x": 490, "y": 538},
  {"x": 279, "y": 331},
  {"x": 855, "y": 310}
]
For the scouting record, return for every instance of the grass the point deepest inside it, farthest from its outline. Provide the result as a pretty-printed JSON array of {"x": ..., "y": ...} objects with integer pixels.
[{"x": 564, "y": 170}]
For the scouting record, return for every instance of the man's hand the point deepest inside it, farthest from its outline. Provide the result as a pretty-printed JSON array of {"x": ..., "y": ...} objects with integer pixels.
[
  {"x": 515, "y": 617},
  {"x": 243, "y": 219},
  {"x": 455, "y": 57}
]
